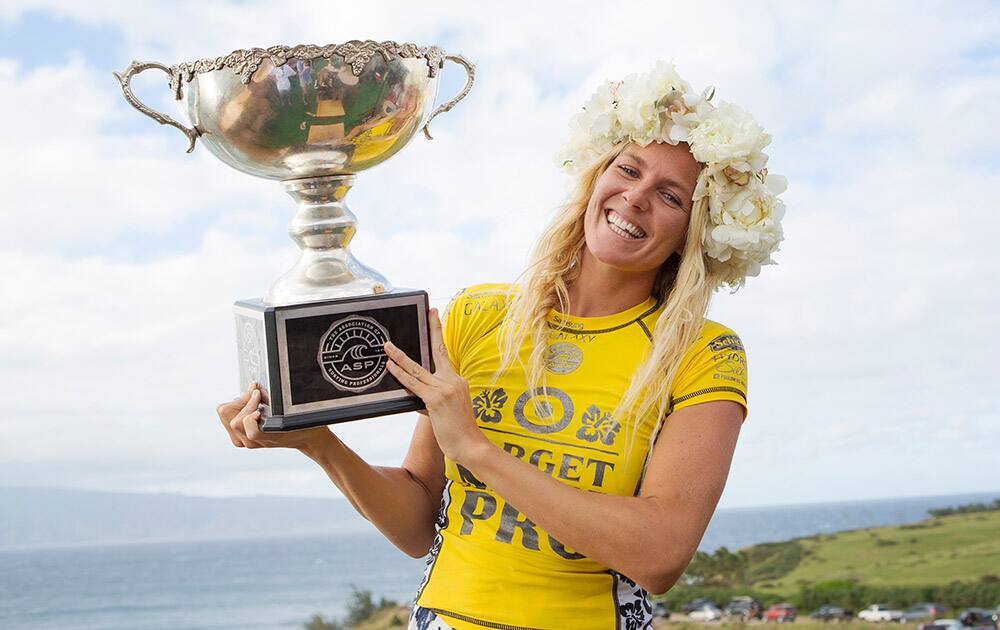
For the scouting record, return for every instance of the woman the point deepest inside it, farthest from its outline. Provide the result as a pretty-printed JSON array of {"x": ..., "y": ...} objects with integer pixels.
[{"x": 580, "y": 425}]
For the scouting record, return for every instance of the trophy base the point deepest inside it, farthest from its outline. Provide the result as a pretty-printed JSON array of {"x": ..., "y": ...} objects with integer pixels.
[{"x": 323, "y": 362}]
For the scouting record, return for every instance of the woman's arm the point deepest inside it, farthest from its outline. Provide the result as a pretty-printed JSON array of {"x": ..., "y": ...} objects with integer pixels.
[
  {"x": 651, "y": 537},
  {"x": 401, "y": 502}
]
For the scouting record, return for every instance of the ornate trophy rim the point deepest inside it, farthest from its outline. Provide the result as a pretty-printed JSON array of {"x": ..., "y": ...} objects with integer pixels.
[
  {"x": 316, "y": 172},
  {"x": 245, "y": 61}
]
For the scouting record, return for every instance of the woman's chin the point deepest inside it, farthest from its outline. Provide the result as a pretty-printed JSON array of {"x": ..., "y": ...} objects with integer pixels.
[{"x": 624, "y": 264}]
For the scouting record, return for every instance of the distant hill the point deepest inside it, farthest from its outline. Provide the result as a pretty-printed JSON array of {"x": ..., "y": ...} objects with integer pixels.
[
  {"x": 961, "y": 547},
  {"x": 958, "y": 547},
  {"x": 33, "y": 517}
]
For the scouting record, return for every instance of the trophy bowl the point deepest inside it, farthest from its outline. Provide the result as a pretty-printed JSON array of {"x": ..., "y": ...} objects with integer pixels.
[
  {"x": 312, "y": 117},
  {"x": 306, "y": 111}
]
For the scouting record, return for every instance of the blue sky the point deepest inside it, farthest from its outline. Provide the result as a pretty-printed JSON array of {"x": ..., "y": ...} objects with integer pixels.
[
  {"x": 38, "y": 37},
  {"x": 870, "y": 344}
]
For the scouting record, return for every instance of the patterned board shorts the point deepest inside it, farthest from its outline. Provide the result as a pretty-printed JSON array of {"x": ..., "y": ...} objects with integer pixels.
[{"x": 423, "y": 619}]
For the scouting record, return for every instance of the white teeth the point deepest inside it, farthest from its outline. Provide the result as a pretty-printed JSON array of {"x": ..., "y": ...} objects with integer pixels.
[
  {"x": 624, "y": 228},
  {"x": 620, "y": 232}
]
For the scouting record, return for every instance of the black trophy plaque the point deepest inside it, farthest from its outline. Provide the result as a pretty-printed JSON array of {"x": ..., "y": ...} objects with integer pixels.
[{"x": 323, "y": 362}]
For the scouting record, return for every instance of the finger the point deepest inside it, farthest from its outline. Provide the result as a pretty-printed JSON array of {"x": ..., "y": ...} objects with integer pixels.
[
  {"x": 228, "y": 412},
  {"x": 440, "y": 351},
  {"x": 412, "y": 368},
  {"x": 252, "y": 402},
  {"x": 252, "y": 428},
  {"x": 232, "y": 437},
  {"x": 237, "y": 431},
  {"x": 407, "y": 380},
  {"x": 237, "y": 425},
  {"x": 232, "y": 407}
]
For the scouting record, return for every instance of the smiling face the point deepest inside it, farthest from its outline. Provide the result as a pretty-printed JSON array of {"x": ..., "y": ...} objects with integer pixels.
[{"x": 638, "y": 212}]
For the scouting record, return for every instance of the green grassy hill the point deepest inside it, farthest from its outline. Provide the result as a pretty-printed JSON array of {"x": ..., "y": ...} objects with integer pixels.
[
  {"x": 962, "y": 547},
  {"x": 951, "y": 558},
  {"x": 954, "y": 559}
]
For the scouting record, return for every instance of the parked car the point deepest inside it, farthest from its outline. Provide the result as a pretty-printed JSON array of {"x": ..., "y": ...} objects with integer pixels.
[
  {"x": 744, "y": 607},
  {"x": 660, "y": 610},
  {"x": 978, "y": 618},
  {"x": 927, "y": 611},
  {"x": 880, "y": 612},
  {"x": 826, "y": 612},
  {"x": 697, "y": 603},
  {"x": 942, "y": 624},
  {"x": 707, "y": 612},
  {"x": 780, "y": 613}
]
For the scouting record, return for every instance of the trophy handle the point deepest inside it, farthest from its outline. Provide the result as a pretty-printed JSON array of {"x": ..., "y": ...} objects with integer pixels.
[
  {"x": 126, "y": 78},
  {"x": 470, "y": 74}
]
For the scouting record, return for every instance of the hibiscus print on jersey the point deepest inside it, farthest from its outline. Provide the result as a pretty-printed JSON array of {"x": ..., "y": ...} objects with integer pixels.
[
  {"x": 598, "y": 425},
  {"x": 487, "y": 405}
]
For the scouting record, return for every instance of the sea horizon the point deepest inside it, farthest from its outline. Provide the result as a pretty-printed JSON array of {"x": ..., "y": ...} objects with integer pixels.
[
  {"x": 947, "y": 500},
  {"x": 275, "y": 582}
]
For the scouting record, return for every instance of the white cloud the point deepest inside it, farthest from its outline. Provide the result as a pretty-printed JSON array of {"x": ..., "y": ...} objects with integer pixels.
[{"x": 875, "y": 327}]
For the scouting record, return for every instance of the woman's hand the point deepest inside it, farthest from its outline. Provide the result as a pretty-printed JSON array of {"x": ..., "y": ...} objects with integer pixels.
[
  {"x": 240, "y": 418},
  {"x": 445, "y": 393}
]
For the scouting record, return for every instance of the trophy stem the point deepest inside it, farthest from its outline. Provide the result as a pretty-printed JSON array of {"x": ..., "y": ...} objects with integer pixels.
[{"x": 323, "y": 228}]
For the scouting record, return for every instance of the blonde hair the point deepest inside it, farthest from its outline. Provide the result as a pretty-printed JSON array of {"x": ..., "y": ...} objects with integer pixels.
[{"x": 685, "y": 287}]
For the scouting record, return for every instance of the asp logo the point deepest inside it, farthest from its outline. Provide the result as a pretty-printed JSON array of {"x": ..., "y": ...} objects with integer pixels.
[{"x": 351, "y": 355}]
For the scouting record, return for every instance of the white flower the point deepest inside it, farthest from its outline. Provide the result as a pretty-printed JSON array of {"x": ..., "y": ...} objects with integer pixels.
[
  {"x": 730, "y": 137},
  {"x": 659, "y": 106},
  {"x": 653, "y": 108},
  {"x": 747, "y": 226}
]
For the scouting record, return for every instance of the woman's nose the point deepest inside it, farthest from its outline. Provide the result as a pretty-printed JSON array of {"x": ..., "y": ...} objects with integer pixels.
[{"x": 636, "y": 198}]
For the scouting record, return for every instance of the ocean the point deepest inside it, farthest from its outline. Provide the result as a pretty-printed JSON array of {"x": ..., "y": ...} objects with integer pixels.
[{"x": 282, "y": 583}]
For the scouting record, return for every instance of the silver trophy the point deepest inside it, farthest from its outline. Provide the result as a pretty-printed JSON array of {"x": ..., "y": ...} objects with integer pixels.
[{"x": 312, "y": 117}]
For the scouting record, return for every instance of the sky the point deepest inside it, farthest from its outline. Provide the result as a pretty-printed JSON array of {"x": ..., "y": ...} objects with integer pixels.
[{"x": 871, "y": 344}]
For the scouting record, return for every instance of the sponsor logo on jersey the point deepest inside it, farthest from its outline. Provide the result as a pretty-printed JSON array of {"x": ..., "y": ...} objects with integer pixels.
[
  {"x": 726, "y": 342},
  {"x": 563, "y": 358},
  {"x": 543, "y": 412}
]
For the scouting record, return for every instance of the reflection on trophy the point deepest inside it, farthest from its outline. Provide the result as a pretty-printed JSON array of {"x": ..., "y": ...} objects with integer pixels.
[{"x": 312, "y": 117}]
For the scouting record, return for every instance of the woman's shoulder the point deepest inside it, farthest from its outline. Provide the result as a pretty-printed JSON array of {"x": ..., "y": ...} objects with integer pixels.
[
  {"x": 483, "y": 290},
  {"x": 720, "y": 336},
  {"x": 715, "y": 337},
  {"x": 478, "y": 308}
]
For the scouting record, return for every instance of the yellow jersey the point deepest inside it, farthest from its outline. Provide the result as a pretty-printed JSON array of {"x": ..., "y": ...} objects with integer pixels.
[{"x": 490, "y": 566}]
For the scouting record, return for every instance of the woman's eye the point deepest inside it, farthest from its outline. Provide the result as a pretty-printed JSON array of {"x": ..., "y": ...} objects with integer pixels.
[
  {"x": 628, "y": 170},
  {"x": 671, "y": 198}
]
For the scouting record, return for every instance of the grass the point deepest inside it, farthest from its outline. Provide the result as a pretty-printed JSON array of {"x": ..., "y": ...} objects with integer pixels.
[
  {"x": 963, "y": 547},
  {"x": 383, "y": 620},
  {"x": 391, "y": 618},
  {"x": 958, "y": 547}
]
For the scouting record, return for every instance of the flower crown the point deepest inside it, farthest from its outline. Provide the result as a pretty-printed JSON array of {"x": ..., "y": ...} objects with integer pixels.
[{"x": 744, "y": 210}]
